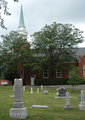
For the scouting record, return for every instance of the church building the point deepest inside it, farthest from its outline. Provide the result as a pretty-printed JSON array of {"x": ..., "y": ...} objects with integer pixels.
[{"x": 29, "y": 76}]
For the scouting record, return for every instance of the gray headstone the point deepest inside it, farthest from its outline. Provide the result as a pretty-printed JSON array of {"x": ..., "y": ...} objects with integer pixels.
[
  {"x": 13, "y": 88},
  {"x": 40, "y": 106},
  {"x": 79, "y": 97},
  {"x": 37, "y": 90},
  {"x": 23, "y": 88},
  {"x": 82, "y": 104},
  {"x": 68, "y": 106},
  {"x": 62, "y": 92},
  {"x": 42, "y": 87},
  {"x": 18, "y": 111},
  {"x": 31, "y": 90},
  {"x": 45, "y": 92}
]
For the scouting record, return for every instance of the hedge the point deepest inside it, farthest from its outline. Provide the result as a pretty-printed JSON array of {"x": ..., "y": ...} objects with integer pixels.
[{"x": 51, "y": 81}]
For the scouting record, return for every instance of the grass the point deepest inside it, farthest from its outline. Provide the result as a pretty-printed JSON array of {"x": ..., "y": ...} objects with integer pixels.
[{"x": 56, "y": 109}]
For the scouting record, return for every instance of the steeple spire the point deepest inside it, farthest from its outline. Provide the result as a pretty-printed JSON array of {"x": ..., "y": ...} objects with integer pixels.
[
  {"x": 21, "y": 28},
  {"x": 21, "y": 20}
]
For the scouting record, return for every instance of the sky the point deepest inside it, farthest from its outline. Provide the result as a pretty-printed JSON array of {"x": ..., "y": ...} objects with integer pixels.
[{"x": 38, "y": 13}]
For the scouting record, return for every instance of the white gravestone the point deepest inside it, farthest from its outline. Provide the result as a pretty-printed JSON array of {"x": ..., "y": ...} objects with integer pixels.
[
  {"x": 42, "y": 87},
  {"x": 18, "y": 111},
  {"x": 37, "y": 90},
  {"x": 68, "y": 106},
  {"x": 82, "y": 104},
  {"x": 31, "y": 90},
  {"x": 13, "y": 88},
  {"x": 45, "y": 91},
  {"x": 40, "y": 106},
  {"x": 23, "y": 88}
]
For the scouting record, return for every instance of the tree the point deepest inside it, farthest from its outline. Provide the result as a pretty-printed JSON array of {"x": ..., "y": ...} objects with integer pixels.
[
  {"x": 74, "y": 77},
  {"x": 54, "y": 45},
  {"x": 12, "y": 52},
  {"x": 3, "y": 4}
]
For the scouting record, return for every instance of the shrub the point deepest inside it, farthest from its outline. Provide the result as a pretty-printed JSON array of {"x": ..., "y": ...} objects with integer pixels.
[{"x": 51, "y": 81}]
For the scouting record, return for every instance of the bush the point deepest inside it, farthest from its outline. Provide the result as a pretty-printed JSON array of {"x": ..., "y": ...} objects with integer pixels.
[{"x": 51, "y": 81}]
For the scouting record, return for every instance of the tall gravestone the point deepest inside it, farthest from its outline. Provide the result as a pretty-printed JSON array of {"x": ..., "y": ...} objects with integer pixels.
[
  {"x": 82, "y": 104},
  {"x": 18, "y": 111},
  {"x": 68, "y": 106}
]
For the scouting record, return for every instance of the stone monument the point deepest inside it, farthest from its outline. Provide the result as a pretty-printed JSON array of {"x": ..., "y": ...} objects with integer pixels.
[
  {"x": 37, "y": 90},
  {"x": 45, "y": 91},
  {"x": 82, "y": 104},
  {"x": 61, "y": 93},
  {"x": 31, "y": 90},
  {"x": 23, "y": 88},
  {"x": 18, "y": 111},
  {"x": 42, "y": 87},
  {"x": 68, "y": 106}
]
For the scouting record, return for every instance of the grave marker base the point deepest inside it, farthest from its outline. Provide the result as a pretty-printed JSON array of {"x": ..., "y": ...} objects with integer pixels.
[
  {"x": 82, "y": 107},
  {"x": 18, "y": 113},
  {"x": 68, "y": 107}
]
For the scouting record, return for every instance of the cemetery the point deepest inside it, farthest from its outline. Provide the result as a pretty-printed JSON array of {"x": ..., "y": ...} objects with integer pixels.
[{"x": 37, "y": 106}]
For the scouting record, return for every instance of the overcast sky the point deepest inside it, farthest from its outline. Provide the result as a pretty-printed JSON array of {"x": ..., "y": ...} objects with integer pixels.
[{"x": 37, "y": 13}]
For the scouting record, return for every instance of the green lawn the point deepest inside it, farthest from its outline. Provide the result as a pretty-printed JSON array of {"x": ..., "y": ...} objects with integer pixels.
[{"x": 56, "y": 106}]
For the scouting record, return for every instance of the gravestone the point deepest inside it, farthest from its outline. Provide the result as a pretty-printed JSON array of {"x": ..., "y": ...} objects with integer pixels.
[
  {"x": 82, "y": 104},
  {"x": 13, "y": 88},
  {"x": 18, "y": 111},
  {"x": 40, "y": 106},
  {"x": 68, "y": 106},
  {"x": 62, "y": 92},
  {"x": 23, "y": 88},
  {"x": 42, "y": 87},
  {"x": 31, "y": 90},
  {"x": 37, "y": 90},
  {"x": 45, "y": 91}
]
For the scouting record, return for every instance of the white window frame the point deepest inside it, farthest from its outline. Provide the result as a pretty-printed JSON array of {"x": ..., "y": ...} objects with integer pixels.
[
  {"x": 44, "y": 72},
  {"x": 58, "y": 72},
  {"x": 84, "y": 70},
  {"x": 21, "y": 74}
]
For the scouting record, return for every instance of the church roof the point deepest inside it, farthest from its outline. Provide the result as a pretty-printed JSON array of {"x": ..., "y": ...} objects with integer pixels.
[
  {"x": 79, "y": 52},
  {"x": 21, "y": 20}
]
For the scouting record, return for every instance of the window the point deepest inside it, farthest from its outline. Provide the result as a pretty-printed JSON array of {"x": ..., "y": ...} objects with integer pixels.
[
  {"x": 59, "y": 74},
  {"x": 45, "y": 74},
  {"x": 84, "y": 70},
  {"x": 22, "y": 73}
]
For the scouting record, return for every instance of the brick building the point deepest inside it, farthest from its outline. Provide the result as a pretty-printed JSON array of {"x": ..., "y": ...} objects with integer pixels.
[{"x": 28, "y": 75}]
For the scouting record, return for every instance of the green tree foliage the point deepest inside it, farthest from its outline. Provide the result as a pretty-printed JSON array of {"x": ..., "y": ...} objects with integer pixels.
[
  {"x": 13, "y": 52},
  {"x": 74, "y": 77},
  {"x": 54, "y": 45},
  {"x": 3, "y": 5}
]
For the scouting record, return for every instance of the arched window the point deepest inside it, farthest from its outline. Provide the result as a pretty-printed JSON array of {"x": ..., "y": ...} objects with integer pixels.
[{"x": 84, "y": 70}]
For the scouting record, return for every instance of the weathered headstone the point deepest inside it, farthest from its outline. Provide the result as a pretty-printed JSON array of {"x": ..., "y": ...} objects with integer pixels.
[
  {"x": 31, "y": 90},
  {"x": 82, "y": 104},
  {"x": 40, "y": 106},
  {"x": 79, "y": 97},
  {"x": 42, "y": 87},
  {"x": 13, "y": 88},
  {"x": 62, "y": 92},
  {"x": 37, "y": 90},
  {"x": 68, "y": 106},
  {"x": 45, "y": 91},
  {"x": 23, "y": 88},
  {"x": 18, "y": 111}
]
